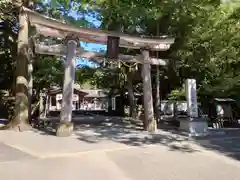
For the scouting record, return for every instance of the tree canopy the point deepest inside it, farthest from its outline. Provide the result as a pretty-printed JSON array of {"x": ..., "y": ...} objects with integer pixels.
[{"x": 206, "y": 48}]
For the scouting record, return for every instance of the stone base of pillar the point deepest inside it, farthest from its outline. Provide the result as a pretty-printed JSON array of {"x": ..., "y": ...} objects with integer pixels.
[
  {"x": 24, "y": 127},
  {"x": 196, "y": 128},
  {"x": 64, "y": 129}
]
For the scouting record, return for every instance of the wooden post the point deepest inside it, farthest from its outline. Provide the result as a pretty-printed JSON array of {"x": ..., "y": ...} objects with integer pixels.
[
  {"x": 65, "y": 127},
  {"x": 30, "y": 89},
  {"x": 132, "y": 103},
  {"x": 41, "y": 105},
  {"x": 157, "y": 95},
  {"x": 149, "y": 121},
  {"x": 46, "y": 106},
  {"x": 157, "y": 82}
]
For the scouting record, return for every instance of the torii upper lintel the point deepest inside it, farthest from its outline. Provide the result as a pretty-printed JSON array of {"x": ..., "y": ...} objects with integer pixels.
[{"x": 50, "y": 27}]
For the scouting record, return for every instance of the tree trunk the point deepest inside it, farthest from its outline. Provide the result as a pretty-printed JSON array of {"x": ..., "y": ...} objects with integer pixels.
[
  {"x": 157, "y": 95},
  {"x": 149, "y": 121},
  {"x": 20, "y": 119},
  {"x": 132, "y": 103}
]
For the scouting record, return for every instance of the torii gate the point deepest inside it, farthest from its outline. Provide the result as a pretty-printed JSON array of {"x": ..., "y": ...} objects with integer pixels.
[{"x": 71, "y": 36}]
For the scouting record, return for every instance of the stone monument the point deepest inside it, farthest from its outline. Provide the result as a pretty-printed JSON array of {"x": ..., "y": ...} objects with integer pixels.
[{"x": 194, "y": 124}]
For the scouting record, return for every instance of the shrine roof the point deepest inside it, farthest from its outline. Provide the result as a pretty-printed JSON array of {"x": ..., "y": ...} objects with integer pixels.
[
  {"x": 224, "y": 100},
  {"x": 54, "y": 91}
]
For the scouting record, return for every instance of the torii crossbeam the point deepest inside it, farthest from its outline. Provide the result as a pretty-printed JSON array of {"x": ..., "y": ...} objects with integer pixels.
[{"x": 61, "y": 50}]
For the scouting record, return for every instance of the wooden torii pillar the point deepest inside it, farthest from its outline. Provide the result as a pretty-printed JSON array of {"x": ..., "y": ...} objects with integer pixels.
[
  {"x": 150, "y": 122},
  {"x": 50, "y": 27},
  {"x": 65, "y": 127}
]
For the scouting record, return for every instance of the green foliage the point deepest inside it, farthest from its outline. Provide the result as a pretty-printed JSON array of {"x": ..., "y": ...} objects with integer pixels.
[
  {"x": 212, "y": 51},
  {"x": 206, "y": 31},
  {"x": 206, "y": 48},
  {"x": 177, "y": 94},
  {"x": 8, "y": 47},
  {"x": 48, "y": 71},
  {"x": 207, "y": 38},
  {"x": 105, "y": 78}
]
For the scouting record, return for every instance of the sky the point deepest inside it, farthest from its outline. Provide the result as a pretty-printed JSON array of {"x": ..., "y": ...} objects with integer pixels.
[{"x": 89, "y": 46}]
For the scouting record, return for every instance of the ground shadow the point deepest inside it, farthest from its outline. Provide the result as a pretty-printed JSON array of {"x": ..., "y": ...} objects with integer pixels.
[
  {"x": 225, "y": 141},
  {"x": 130, "y": 134},
  {"x": 94, "y": 129}
]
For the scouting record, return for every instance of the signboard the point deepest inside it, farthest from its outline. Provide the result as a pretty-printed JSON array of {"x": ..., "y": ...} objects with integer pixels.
[{"x": 191, "y": 94}]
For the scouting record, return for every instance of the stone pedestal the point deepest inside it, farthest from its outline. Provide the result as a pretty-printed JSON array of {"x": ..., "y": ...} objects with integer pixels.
[
  {"x": 64, "y": 129},
  {"x": 197, "y": 127}
]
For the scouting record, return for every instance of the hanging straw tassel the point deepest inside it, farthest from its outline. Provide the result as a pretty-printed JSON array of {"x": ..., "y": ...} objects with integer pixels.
[
  {"x": 104, "y": 62},
  {"x": 136, "y": 67},
  {"x": 119, "y": 64}
]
